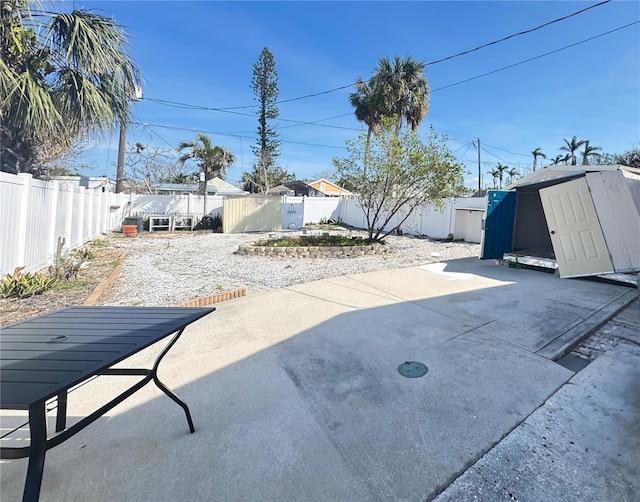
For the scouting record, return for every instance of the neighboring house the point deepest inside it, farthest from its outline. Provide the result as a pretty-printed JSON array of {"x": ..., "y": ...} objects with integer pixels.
[
  {"x": 281, "y": 190},
  {"x": 318, "y": 188},
  {"x": 216, "y": 186},
  {"x": 329, "y": 189},
  {"x": 98, "y": 183}
]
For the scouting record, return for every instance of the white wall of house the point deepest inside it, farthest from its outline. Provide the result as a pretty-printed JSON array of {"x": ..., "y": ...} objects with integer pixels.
[{"x": 35, "y": 213}]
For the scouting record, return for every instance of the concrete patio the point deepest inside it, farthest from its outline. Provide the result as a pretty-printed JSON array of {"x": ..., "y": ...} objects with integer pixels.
[{"x": 295, "y": 393}]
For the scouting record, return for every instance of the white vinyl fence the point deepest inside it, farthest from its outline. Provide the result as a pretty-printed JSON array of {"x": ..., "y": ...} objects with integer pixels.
[{"x": 35, "y": 213}]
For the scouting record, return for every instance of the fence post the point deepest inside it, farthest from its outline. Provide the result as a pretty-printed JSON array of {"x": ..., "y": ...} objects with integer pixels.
[
  {"x": 304, "y": 210},
  {"x": 89, "y": 221},
  {"x": 23, "y": 208},
  {"x": 53, "y": 217},
  {"x": 80, "y": 220},
  {"x": 69, "y": 217}
]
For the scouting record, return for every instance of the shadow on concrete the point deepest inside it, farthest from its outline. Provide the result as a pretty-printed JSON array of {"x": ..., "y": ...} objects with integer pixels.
[{"x": 295, "y": 393}]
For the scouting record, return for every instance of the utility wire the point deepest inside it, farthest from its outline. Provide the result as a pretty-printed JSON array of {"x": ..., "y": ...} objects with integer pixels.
[
  {"x": 493, "y": 154},
  {"x": 431, "y": 63},
  {"x": 503, "y": 150},
  {"x": 315, "y": 122},
  {"x": 517, "y": 34},
  {"x": 231, "y": 135},
  {"x": 535, "y": 57}
]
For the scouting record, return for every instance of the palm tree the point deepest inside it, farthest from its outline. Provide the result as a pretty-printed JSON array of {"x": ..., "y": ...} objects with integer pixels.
[
  {"x": 572, "y": 147},
  {"x": 500, "y": 170},
  {"x": 365, "y": 109},
  {"x": 537, "y": 153},
  {"x": 513, "y": 174},
  {"x": 212, "y": 161},
  {"x": 560, "y": 158},
  {"x": 63, "y": 77},
  {"x": 588, "y": 152},
  {"x": 401, "y": 90},
  {"x": 182, "y": 178},
  {"x": 495, "y": 174}
]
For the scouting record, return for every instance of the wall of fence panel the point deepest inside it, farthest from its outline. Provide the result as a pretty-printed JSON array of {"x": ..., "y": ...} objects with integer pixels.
[
  {"x": 317, "y": 209},
  {"x": 292, "y": 212},
  {"x": 428, "y": 220},
  {"x": 35, "y": 213},
  {"x": 146, "y": 204}
]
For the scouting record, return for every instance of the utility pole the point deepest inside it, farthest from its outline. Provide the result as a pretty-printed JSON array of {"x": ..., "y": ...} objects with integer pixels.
[
  {"x": 121, "y": 147},
  {"x": 479, "y": 168},
  {"x": 137, "y": 96}
]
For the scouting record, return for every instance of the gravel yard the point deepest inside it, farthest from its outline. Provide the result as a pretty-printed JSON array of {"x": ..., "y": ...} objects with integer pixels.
[
  {"x": 162, "y": 268},
  {"x": 167, "y": 269}
]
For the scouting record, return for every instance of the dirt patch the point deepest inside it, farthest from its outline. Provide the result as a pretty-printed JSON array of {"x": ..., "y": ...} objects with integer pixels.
[{"x": 65, "y": 293}]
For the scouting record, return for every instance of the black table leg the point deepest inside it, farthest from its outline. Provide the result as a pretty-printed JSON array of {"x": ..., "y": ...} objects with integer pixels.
[
  {"x": 61, "y": 417},
  {"x": 37, "y": 450},
  {"x": 163, "y": 388}
]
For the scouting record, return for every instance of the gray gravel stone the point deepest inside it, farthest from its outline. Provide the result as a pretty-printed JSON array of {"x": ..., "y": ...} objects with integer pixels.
[{"x": 172, "y": 268}]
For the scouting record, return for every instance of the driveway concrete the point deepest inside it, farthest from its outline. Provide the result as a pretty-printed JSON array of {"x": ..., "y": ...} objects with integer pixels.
[{"x": 296, "y": 395}]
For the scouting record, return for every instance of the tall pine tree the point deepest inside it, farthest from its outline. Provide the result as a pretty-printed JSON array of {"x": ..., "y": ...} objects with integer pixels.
[{"x": 265, "y": 173}]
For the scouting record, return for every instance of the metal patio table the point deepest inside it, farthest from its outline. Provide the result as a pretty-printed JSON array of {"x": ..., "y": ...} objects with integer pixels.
[{"x": 44, "y": 357}]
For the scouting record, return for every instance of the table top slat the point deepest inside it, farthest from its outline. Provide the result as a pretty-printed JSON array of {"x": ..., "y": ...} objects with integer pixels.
[{"x": 36, "y": 363}]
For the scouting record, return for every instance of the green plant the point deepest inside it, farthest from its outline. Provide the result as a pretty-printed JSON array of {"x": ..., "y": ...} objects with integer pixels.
[
  {"x": 83, "y": 254},
  {"x": 324, "y": 240},
  {"x": 100, "y": 242},
  {"x": 217, "y": 222},
  {"x": 70, "y": 285},
  {"x": 22, "y": 285}
]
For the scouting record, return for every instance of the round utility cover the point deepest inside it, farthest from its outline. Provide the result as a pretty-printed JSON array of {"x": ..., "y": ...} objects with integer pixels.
[{"x": 412, "y": 369}]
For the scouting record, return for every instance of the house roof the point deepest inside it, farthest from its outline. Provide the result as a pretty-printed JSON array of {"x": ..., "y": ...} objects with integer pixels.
[
  {"x": 279, "y": 189},
  {"x": 336, "y": 188},
  {"x": 215, "y": 186}
]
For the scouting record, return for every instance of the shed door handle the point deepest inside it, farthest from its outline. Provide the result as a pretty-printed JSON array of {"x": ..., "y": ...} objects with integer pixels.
[{"x": 553, "y": 232}]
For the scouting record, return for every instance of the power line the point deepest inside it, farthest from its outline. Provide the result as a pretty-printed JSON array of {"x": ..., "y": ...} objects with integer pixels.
[
  {"x": 146, "y": 124},
  {"x": 316, "y": 122},
  {"x": 503, "y": 150},
  {"x": 535, "y": 57},
  {"x": 517, "y": 34},
  {"x": 431, "y": 63},
  {"x": 493, "y": 154},
  {"x": 297, "y": 123}
]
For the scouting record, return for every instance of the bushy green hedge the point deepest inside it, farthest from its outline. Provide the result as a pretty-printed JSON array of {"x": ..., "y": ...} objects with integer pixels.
[{"x": 316, "y": 240}]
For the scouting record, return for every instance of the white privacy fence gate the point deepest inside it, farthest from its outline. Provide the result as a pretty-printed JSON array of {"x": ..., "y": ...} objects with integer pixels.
[{"x": 34, "y": 214}]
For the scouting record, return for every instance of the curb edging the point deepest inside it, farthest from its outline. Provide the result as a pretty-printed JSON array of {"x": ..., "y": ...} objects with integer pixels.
[
  {"x": 93, "y": 298},
  {"x": 217, "y": 298}
]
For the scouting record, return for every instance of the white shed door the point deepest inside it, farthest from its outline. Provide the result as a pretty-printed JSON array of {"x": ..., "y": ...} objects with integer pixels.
[
  {"x": 618, "y": 218},
  {"x": 576, "y": 236}
]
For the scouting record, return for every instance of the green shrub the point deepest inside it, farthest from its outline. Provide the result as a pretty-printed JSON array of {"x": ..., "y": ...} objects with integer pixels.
[
  {"x": 83, "y": 254},
  {"x": 21, "y": 285},
  {"x": 320, "y": 241}
]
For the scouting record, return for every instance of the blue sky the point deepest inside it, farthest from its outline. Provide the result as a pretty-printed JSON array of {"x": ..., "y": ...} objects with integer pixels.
[{"x": 201, "y": 53}]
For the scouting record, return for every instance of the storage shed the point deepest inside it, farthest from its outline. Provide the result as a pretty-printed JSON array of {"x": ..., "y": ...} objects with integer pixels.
[
  {"x": 468, "y": 224},
  {"x": 582, "y": 220}
]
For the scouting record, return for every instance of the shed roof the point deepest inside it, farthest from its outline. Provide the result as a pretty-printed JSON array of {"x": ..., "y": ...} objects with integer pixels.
[{"x": 552, "y": 173}]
